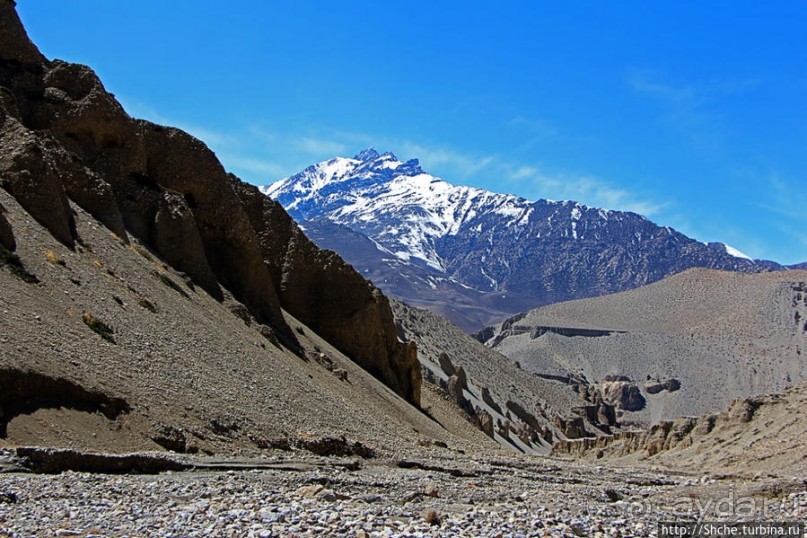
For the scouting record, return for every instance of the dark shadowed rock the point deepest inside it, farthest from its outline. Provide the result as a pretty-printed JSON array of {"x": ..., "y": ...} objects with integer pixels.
[
  {"x": 16, "y": 46},
  {"x": 176, "y": 238},
  {"x": 29, "y": 171},
  {"x": 446, "y": 365},
  {"x": 6, "y": 233},
  {"x": 462, "y": 377},
  {"x": 54, "y": 461},
  {"x": 488, "y": 399},
  {"x": 622, "y": 393}
]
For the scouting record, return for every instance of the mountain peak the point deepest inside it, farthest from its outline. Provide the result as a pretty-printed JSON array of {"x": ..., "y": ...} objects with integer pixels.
[
  {"x": 371, "y": 155},
  {"x": 367, "y": 155}
]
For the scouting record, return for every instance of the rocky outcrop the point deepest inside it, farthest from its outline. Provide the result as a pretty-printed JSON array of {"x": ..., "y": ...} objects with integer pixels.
[
  {"x": 654, "y": 386},
  {"x": 484, "y": 421},
  {"x": 622, "y": 393},
  {"x": 64, "y": 137},
  {"x": 572, "y": 428},
  {"x": 488, "y": 399},
  {"x": 455, "y": 391},
  {"x": 16, "y": 46},
  {"x": 446, "y": 365},
  {"x": 29, "y": 171},
  {"x": 666, "y": 435}
]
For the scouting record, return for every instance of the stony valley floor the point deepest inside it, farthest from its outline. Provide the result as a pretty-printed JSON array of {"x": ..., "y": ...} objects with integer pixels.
[{"x": 313, "y": 496}]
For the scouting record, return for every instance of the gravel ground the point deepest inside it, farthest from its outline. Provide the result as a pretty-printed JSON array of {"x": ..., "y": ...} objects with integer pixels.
[{"x": 317, "y": 497}]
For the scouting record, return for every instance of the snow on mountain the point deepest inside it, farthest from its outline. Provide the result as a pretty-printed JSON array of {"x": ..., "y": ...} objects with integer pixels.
[
  {"x": 472, "y": 254},
  {"x": 736, "y": 253},
  {"x": 400, "y": 206}
]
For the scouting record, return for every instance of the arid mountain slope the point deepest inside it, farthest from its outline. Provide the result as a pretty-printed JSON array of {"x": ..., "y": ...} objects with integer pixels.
[
  {"x": 149, "y": 299},
  {"x": 64, "y": 137},
  {"x": 112, "y": 349},
  {"x": 722, "y": 335}
]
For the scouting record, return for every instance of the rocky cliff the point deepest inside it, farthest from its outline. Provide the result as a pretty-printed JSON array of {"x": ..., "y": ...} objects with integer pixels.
[{"x": 65, "y": 138}]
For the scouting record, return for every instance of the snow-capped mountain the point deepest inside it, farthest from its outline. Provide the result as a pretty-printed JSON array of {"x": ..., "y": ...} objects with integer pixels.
[
  {"x": 474, "y": 255},
  {"x": 405, "y": 210}
]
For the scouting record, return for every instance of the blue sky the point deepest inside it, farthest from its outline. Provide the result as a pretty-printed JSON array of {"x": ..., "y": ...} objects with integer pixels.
[{"x": 693, "y": 113}]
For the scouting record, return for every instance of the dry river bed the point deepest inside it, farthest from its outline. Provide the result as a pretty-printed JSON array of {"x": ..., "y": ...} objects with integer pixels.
[{"x": 305, "y": 495}]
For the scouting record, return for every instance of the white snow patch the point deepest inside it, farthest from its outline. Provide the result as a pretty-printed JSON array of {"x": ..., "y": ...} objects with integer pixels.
[{"x": 731, "y": 251}]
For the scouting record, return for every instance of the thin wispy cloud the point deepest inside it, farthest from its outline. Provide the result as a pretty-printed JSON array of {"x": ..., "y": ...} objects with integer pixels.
[
  {"x": 531, "y": 181},
  {"x": 254, "y": 167},
  {"x": 589, "y": 190},
  {"x": 692, "y": 108},
  {"x": 464, "y": 164},
  {"x": 319, "y": 146},
  {"x": 210, "y": 136},
  {"x": 252, "y": 152},
  {"x": 538, "y": 129}
]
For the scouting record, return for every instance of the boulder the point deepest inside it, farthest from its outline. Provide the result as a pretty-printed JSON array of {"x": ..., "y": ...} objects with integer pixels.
[
  {"x": 462, "y": 377},
  {"x": 488, "y": 399},
  {"x": 455, "y": 391},
  {"x": 654, "y": 386},
  {"x": 485, "y": 421}
]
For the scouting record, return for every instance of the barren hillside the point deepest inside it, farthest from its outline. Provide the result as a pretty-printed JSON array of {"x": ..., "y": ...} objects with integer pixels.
[{"x": 721, "y": 335}]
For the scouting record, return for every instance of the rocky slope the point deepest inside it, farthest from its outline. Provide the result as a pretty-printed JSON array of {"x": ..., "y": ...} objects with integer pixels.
[
  {"x": 65, "y": 138},
  {"x": 516, "y": 408},
  {"x": 475, "y": 256},
  {"x": 152, "y": 299},
  {"x": 687, "y": 345}
]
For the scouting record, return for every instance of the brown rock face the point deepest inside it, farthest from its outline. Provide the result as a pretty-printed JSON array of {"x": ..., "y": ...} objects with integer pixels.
[
  {"x": 182, "y": 163},
  {"x": 176, "y": 238},
  {"x": 319, "y": 288},
  {"x": 29, "y": 171}
]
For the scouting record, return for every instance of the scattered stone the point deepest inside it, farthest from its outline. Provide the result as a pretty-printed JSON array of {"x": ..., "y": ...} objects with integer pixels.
[
  {"x": 431, "y": 490},
  {"x": 311, "y": 491},
  {"x": 432, "y": 518}
]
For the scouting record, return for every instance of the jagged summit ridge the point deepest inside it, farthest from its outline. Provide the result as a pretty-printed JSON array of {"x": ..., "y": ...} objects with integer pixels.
[
  {"x": 403, "y": 208},
  {"x": 499, "y": 252}
]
